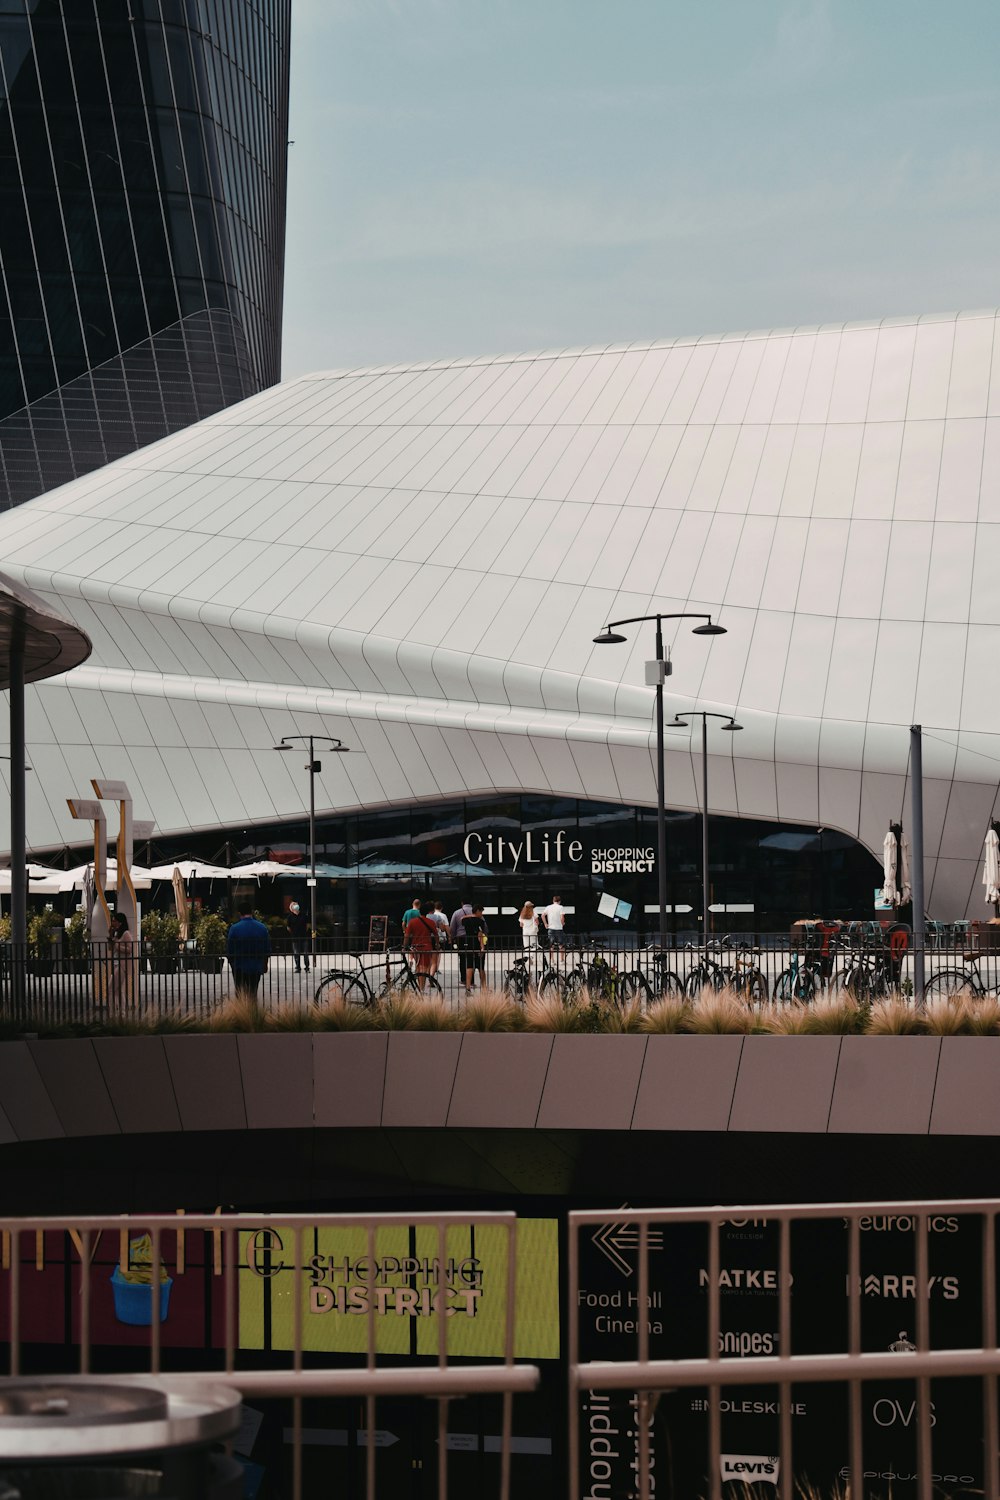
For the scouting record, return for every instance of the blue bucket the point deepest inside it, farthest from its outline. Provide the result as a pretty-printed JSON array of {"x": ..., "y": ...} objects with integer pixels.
[{"x": 134, "y": 1300}]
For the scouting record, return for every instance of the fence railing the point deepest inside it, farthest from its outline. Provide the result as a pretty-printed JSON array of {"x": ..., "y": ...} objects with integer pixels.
[
  {"x": 245, "y": 1252},
  {"x": 837, "y": 1356},
  {"x": 53, "y": 988}
]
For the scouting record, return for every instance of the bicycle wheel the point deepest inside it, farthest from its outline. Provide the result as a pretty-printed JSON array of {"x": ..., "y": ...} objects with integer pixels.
[
  {"x": 634, "y": 986},
  {"x": 553, "y": 983},
  {"x": 784, "y": 986},
  {"x": 946, "y": 982},
  {"x": 351, "y": 986},
  {"x": 859, "y": 980},
  {"x": 669, "y": 983},
  {"x": 433, "y": 986},
  {"x": 750, "y": 985},
  {"x": 515, "y": 985}
]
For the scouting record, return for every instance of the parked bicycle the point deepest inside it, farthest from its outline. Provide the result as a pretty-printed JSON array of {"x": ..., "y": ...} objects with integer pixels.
[
  {"x": 360, "y": 986},
  {"x": 969, "y": 977},
  {"x": 519, "y": 980},
  {"x": 705, "y": 972},
  {"x": 801, "y": 979},
  {"x": 745, "y": 975},
  {"x": 600, "y": 977},
  {"x": 663, "y": 980}
]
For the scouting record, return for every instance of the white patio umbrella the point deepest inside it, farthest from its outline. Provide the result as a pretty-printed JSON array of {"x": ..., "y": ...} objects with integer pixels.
[
  {"x": 75, "y": 879},
  {"x": 991, "y": 867},
  {"x": 259, "y": 868},
  {"x": 42, "y": 881},
  {"x": 190, "y": 869}
]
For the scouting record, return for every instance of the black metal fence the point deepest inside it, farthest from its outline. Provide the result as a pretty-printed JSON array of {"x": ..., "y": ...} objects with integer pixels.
[{"x": 52, "y": 988}]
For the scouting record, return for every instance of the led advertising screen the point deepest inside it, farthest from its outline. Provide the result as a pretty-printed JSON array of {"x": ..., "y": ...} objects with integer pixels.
[{"x": 401, "y": 1276}]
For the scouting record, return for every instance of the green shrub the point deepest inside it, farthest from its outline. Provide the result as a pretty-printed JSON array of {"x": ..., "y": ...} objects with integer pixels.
[
  {"x": 161, "y": 933},
  {"x": 77, "y": 936},
  {"x": 210, "y": 934}
]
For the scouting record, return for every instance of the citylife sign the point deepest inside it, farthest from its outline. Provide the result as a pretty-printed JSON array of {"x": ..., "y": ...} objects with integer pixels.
[{"x": 557, "y": 848}]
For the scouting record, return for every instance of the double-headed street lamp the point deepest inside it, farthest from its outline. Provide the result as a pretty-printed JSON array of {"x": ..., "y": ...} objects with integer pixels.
[
  {"x": 680, "y": 721},
  {"x": 656, "y": 672},
  {"x": 325, "y": 742}
]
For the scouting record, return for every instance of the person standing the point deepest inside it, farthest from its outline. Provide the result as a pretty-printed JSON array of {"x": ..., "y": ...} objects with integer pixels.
[
  {"x": 444, "y": 934},
  {"x": 413, "y": 910},
  {"x": 474, "y": 948},
  {"x": 457, "y": 924},
  {"x": 528, "y": 921},
  {"x": 554, "y": 920},
  {"x": 421, "y": 938},
  {"x": 297, "y": 924},
  {"x": 248, "y": 948},
  {"x": 121, "y": 946}
]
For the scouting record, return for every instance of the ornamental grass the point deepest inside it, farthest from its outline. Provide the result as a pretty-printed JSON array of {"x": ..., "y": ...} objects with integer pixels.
[
  {"x": 720, "y": 1012},
  {"x": 667, "y": 1016}
]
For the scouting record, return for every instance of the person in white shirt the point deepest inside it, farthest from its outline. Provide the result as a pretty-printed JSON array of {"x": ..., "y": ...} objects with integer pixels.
[
  {"x": 554, "y": 919},
  {"x": 529, "y": 927}
]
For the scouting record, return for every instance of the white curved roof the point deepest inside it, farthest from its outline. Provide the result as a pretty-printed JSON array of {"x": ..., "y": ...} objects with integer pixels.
[{"x": 416, "y": 559}]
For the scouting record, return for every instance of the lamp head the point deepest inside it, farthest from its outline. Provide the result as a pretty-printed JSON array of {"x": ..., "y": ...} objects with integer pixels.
[
  {"x": 609, "y": 637},
  {"x": 709, "y": 629},
  {"x": 732, "y": 727},
  {"x": 678, "y": 723},
  {"x": 282, "y": 746}
]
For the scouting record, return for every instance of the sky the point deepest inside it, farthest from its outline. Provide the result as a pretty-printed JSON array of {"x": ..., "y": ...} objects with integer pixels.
[{"x": 497, "y": 176}]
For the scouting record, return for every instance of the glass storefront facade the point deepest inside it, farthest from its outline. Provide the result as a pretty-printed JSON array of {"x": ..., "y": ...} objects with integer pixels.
[
  {"x": 143, "y": 154},
  {"x": 503, "y": 851}
]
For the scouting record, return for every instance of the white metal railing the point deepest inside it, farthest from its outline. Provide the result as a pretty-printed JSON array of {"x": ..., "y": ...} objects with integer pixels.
[
  {"x": 649, "y": 1378},
  {"x": 439, "y": 1382}
]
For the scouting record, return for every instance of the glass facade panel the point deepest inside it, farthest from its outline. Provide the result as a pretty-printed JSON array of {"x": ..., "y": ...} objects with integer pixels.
[
  {"x": 503, "y": 851},
  {"x": 142, "y": 205}
]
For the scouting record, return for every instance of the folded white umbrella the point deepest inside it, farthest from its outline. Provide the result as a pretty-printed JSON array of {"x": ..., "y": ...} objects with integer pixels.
[
  {"x": 991, "y": 867},
  {"x": 906, "y": 890},
  {"x": 890, "y": 892}
]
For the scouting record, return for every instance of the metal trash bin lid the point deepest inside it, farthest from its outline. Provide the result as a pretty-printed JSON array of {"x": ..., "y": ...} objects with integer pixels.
[{"x": 82, "y": 1416}]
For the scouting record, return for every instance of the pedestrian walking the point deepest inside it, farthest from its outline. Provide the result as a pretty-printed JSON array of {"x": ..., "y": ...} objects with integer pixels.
[
  {"x": 474, "y": 948},
  {"x": 248, "y": 948},
  {"x": 297, "y": 924}
]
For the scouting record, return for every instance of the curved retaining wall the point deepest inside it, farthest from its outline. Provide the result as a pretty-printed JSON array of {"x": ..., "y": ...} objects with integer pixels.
[{"x": 915, "y": 1086}]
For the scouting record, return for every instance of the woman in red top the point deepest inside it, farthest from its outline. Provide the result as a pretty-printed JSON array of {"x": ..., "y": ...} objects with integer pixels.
[{"x": 420, "y": 937}]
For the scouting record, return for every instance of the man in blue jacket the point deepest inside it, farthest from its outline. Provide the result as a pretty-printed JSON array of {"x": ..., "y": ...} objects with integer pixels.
[{"x": 248, "y": 945}]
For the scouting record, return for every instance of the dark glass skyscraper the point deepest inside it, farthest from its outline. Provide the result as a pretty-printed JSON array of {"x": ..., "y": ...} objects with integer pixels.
[{"x": 142, "y": 223}]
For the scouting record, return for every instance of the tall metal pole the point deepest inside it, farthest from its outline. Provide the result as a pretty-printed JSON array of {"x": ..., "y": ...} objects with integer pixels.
[
  {"x": 18, "y": 843},
  {"x": 917, "y": 820},
  {"x": 704, "y": 828},
  {"x": 312, "y": 852},
  {"x": 661, "y": 805}
]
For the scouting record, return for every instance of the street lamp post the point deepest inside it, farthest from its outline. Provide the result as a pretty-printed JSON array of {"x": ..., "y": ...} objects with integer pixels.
[
  {"x": 680, "y": 721},
  {"x": 288, "y": 742},
  {"x": 656, "y": 673}
]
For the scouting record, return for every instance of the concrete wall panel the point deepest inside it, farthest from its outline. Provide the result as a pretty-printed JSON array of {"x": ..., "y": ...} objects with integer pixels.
[
  {"x": 138, "y": 1079},
  {"x": 687, "y": 1083},
  {"x": 591, "y": 1083},
  {"x": 208, "y": 1084},
  {"x": 349, "y": 1077},
  {"x": 785, "y": 1084},
  {"x": 885, "y": 1085},
  {"x": 24, "y": 1097},
  {"x": 967, "y": 1096},
  {"x": 499, "y": 1081},
  {"x": 419, "y": 1077},
  {"x": 75, "y": 1084},
  {"x": 277, "y": 1080}
]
